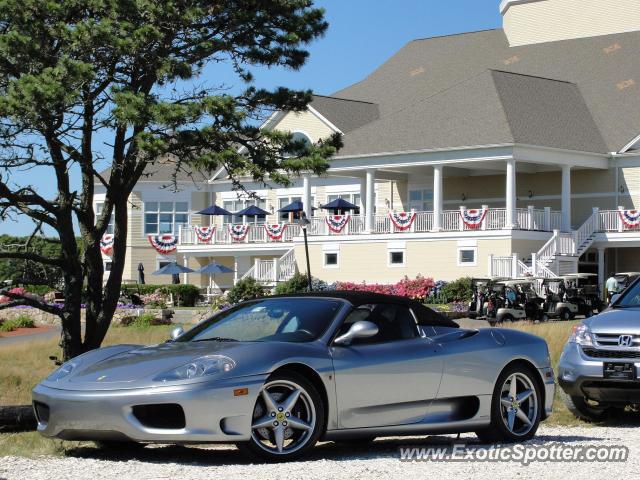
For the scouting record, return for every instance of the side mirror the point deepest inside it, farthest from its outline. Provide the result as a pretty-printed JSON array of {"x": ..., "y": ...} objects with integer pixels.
[
  {"x": 614, "y": 298},
  {"x": 176, "y": 332},
  {"x": 361, "y": 329}
]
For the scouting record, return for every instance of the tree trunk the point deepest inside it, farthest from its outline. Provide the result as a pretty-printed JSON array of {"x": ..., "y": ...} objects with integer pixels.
[{"x": 17, "y": 419}]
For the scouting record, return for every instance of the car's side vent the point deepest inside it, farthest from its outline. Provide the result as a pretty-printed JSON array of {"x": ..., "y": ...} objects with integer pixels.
[
  {"x": 42, "y": 412},
  {"x": 169, "y": 416}
]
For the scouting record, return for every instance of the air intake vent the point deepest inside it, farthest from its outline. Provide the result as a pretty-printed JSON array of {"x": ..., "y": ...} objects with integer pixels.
[{"x": 169, "y": 416}]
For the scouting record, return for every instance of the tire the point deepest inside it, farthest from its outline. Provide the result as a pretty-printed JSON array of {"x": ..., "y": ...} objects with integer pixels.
[
  {"x": 544, "y": 317},
  {"x": 272, "y": 425},
  {"x": 507, "y": 318},
  {"x": 507, "y": 419},
  {"x": 579, "y": 407},
  {"x": 565, "y": 314}
]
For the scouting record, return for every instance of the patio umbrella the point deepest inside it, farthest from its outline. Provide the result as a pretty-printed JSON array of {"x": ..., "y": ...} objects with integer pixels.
[
  {"x": 172, "y": 269},
  {"x": 252, "y": 211},
  {"x": 212, "y": 269},
  {"x": 214, "y": 210},
  {"x": 339, "y": 204},
  {"x": 294, "y": 207}
]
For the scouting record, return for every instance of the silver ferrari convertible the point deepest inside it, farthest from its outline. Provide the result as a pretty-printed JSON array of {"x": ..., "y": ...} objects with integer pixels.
[{"x": 276, "y": 375}]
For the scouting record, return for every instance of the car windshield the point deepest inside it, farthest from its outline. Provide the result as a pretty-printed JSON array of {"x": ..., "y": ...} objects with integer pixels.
[
  {"x": 630, "y": 298},
  {"x": 271, "y": 319}
]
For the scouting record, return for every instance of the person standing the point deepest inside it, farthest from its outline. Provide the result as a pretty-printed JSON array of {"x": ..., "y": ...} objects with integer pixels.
[{"x": 611, "y": 286}]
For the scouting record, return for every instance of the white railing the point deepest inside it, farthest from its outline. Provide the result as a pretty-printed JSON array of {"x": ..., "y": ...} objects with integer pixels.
[
  {"x": 451, "y": 221},
  {"x": 500, "y": 266},
  {"x": 555, "y": 221},
  {"x": 287, "y": 266},
  {"x": 584, "y": 236},
  {"x": 611, "y": 221}
]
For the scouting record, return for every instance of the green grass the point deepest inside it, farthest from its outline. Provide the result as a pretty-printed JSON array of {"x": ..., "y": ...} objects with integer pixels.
[{"x": 22, "y": 321}]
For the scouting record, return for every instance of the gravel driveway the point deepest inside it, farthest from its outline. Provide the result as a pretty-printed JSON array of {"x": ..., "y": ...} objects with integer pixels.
[{"x": 330, "y": 461}]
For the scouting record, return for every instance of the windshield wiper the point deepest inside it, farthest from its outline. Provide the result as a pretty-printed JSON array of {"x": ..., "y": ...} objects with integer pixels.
[{"x": 216, "y": 339}]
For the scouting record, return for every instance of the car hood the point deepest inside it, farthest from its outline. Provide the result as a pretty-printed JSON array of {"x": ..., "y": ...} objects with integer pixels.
[
  {"x": 612, "y": 320},
  {"x": 135, "y": 366}
]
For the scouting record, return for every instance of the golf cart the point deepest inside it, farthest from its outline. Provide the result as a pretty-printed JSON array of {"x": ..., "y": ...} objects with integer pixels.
[
  {"x": 555, "y": 303},
  {"x": 624, "y": 279},
  {"x": 582, "y": 291},
  {"x": 479, "y": 296},
  {"x": 519, "y": 301}
]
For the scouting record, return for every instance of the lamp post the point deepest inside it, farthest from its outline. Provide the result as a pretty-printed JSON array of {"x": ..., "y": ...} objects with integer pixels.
[{"x": 304, "y": 223}]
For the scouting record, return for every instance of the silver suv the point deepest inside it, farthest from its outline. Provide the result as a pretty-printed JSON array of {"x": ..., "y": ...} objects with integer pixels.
[{"x": 599, "y": 365}]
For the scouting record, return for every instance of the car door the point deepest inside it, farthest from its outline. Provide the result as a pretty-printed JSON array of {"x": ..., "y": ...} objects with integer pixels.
[{"x": 388, "y": 379}]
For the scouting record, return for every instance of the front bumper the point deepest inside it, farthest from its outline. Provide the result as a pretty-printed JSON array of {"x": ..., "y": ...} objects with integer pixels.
[
  {"x": 581, "y": 376},
  {"x": 212, "y": 412},
  {"x": 549, "y": 390}
]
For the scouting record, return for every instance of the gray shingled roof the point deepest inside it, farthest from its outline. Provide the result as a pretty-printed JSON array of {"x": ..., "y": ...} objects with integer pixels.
[
  {"x": 345, "y": 114},
  {"x": 604, "y": 70}
]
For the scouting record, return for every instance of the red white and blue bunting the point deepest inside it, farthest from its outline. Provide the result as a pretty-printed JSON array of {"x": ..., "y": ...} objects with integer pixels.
[
  {"x": 164, "y": 243},
  {"x": 205, "y": 234},
  {"x": 631, "y": 218},
  {"x": 473, "y": 217},
  {"x": 275, "y": 231},
  {"x": 402, "y": 220},
  {"x": 238, "y": 232},
  {"x": 106, "y": 244},
  {"x": 336, "y": 223}
]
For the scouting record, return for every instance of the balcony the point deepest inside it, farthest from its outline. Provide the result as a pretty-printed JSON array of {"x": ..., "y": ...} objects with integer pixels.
[{"x": 496, "y": 219}]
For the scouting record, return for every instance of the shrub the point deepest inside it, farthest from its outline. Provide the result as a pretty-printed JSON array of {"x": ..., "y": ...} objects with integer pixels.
[
  {"x": 154, "y": 300},
  {"x": 185, "y": 295},
  {"x": 416, "y": 289},
  {"x": 298, "y": 284},
  {"x": 40, "y": 290},
  {"x": 246, "y": 289},
  {"x": 145, "y": 320},
  {"x": 17, "y": 290},
  {"x": 458, "y": 290},
  {"x": 21, "y": 321}
]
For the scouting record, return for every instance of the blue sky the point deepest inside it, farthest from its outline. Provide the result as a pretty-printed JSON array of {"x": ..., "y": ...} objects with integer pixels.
[{"x": 362, "y": 34}]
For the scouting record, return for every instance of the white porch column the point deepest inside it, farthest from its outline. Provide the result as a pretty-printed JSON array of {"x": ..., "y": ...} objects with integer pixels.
[
  {"x": 511, "y": 220},
  {"x": 306, "y": 195},
  {"x": 437, "y": 198},
  {"x": 185, "y": 262},
  {"x": 566, "y": 198},
  {"x": 601, "y": 274},
  {"x": 363, "y": 195},
  {"x": 369, "y": 202}
]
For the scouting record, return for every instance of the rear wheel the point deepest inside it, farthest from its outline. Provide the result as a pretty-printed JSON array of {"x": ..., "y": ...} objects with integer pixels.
[
  {"x": 507, "y": 317},
  {"x": 565, "y": 314},
  {"x": 287, "y": 420},
  {"x": 516, "y": 407},
  {"x": 583, "y": 409}
]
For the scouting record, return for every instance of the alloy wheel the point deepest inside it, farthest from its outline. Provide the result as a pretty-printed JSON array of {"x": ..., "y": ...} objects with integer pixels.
[
  {"x": 519, "y": 404},
  {"x": 284, "y": 418}
]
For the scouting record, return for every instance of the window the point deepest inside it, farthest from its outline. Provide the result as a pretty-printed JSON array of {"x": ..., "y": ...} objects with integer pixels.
[
  {"x": 394, "y": 322},
  {"x": 99, "y": 207},
  {"x": 296, "y": 152},
  {"x": 163, "y": 262},
  {"x": 331, "y": 259},
  {"x": 421, "y": 200},
  {"x": 234, "y": 206},
  {"x": 467, "y": 256},
  {"x": 165, "y": 217},
  {"x": 396, "y": 258}
]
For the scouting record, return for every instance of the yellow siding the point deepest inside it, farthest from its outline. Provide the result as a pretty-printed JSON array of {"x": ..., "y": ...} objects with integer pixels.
[
  {"x": 305, "y": 122},
  {"x": 630, "y": 180},
  {"x": 552, "y": 20}
]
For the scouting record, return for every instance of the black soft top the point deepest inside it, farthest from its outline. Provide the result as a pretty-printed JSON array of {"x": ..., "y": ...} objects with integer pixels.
[{"x": 426, "y": 316}]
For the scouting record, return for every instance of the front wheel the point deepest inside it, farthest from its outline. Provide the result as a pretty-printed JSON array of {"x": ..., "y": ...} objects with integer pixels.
[
  {"x": 287, "y": 420},
  {"x": 582, "y": 409},
  {"x": 565, "y": 314},
  {"x": 516, "y": 407}
]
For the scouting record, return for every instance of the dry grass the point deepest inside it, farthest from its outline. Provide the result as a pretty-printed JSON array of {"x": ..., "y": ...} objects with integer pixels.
[{"x": 26, "y": 364}]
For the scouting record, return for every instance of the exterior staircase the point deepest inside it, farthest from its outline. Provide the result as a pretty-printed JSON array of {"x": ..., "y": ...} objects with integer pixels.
[
  {"x": 271, "y": 272},
  {"x": 559, "y": 256}
]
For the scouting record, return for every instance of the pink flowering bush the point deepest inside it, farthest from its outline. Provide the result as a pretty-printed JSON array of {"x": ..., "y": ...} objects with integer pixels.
[
  {"x": 417, "y": 289},
  {"x": 154, "y": 300},
  {"x": 17, "y": 291}
]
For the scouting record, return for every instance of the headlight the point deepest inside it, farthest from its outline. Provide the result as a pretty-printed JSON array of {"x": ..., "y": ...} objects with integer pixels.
[
  {"x": 63, "y": 371},
  {"x": 200, "y": 367},
  {"x": 581, "y": 335}
]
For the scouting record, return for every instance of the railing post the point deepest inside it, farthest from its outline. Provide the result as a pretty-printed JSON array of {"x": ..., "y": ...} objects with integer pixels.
[
  {"x": 461, "y": 221},
  {"x": 620, "y": 223},
  {"x": 415, "y": 220},
  {"x": 180, "y": 234},
  {"x": 514, "y": 265},
  {"x": 490, "y": 265},
  {"x": 256, "y": 269},
  {"x": 530, "y": 214},
  {"x": 596, "y": 219},
  {"x": 485, "y": 208},
  {"x": 275, "y": 270},
  {"x": 534, "y": 264},
  {"x": 547, "y": 219},
  {"x": 556, "y": 241}
]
